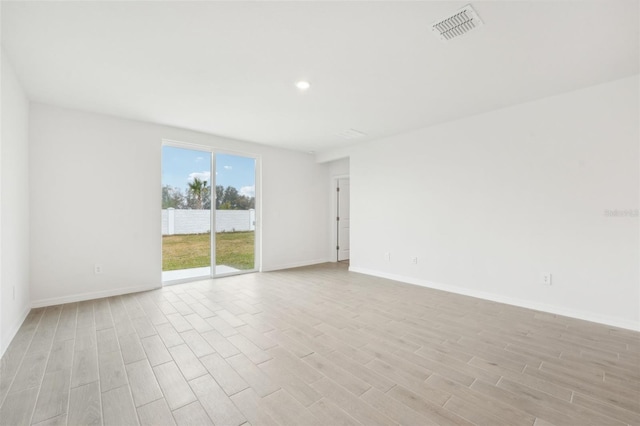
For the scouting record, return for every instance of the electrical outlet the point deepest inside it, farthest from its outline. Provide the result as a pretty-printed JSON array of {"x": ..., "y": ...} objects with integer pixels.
[
  {"x": 97, "y": 269},
  {"x": 545, "y": 278},
  {"x": 414, "y": 260},
  {"x": 387, "y": 257}
]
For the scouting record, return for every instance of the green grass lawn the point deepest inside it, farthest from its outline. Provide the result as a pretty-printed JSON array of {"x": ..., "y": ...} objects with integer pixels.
[{"x": 234, "y": 249}]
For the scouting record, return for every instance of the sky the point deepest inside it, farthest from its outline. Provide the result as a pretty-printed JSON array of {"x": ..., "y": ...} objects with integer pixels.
[{"x": 180, "y": 166}]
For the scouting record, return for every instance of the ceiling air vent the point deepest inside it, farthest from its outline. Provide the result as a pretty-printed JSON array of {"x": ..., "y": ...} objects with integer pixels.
[
  {"x": 351, "y": 134},
  {"x": 462, "y": 21}
]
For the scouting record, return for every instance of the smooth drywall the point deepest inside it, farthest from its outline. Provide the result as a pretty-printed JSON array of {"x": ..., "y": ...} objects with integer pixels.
[
  {"x": 14, "y": 211},
  {"x": 489, "y": 203},
  {"x": 339, "y": 168},
  {"x": 107, "y": 172}
]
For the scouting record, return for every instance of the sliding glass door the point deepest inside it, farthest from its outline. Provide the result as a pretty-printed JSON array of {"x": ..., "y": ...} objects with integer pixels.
[{"x": 208, "y": 213}]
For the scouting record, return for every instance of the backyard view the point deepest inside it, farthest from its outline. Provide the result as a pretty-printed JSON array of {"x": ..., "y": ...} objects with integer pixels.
[
  {"x": 234, "y": 249},
  {"x": 191, "y": 194}
]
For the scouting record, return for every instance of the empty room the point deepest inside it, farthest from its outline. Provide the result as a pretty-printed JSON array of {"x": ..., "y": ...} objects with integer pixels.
[{"x": 320, "y": 213}]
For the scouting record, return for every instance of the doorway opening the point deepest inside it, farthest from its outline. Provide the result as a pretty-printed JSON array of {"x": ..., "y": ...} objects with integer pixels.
[
  {"x": 342, "y": 219},
  {"x": 209, "y": 215}
]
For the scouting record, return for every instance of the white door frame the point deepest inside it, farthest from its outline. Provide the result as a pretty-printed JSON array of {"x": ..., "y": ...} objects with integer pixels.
[
  {"x": 332, "y": 216},
  {"x": 212, "y": 151}
]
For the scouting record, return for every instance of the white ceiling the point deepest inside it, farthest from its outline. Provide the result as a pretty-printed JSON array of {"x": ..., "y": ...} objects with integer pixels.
[{"x": 229, "y": 68}]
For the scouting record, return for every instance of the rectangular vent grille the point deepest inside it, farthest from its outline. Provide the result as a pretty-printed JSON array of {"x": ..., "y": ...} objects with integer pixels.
[
  {"x": 461, "y": 22},
  {"x": 351, "y": 134}
]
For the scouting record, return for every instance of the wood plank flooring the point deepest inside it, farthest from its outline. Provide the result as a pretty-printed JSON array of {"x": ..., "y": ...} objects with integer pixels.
[{"x": 314, "y": 346}]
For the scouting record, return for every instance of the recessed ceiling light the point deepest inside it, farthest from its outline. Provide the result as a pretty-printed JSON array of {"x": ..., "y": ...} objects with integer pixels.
[{"x": 303, "y": 85}]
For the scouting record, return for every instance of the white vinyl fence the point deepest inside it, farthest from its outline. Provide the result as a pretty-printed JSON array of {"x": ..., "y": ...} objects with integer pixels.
[{"x": 177, "y": 222}]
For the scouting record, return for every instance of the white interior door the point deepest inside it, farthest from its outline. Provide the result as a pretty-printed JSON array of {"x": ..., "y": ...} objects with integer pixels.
[{"x": 343, "y": 219}]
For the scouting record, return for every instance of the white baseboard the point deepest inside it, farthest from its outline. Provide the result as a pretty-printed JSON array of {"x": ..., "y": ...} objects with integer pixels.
[
  {"x": 558, "y": 310},
  {"x": 14, "y": 330},
  {"x": 89, "y": 296},
  {"x": 295, "y": 264}
]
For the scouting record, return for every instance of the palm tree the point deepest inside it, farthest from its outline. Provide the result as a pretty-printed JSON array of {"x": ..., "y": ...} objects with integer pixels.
[{"x": 198, "y": 188}]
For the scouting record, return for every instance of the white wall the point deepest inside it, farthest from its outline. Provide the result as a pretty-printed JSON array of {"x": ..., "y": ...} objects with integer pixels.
[
  {"x": 489, "y": 202},
  {"x": 109, "y": 169},
  {"x": 294, "y": 237},
  {"x": 14, "y": 202},
  {"x": 339, "y": 168}
]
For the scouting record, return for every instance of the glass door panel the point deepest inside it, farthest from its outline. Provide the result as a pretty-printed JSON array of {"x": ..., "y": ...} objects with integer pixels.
[
  {"x": 186, "y": 213},
  {"x": 235, "y": 218}
]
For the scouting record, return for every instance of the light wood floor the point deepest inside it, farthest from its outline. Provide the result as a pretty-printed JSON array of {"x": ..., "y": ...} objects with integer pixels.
[{"x": 315, "y": 346}]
